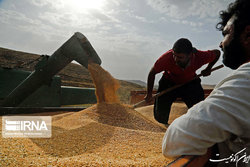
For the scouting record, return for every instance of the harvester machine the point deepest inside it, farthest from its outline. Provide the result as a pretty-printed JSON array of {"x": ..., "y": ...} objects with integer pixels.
[{"x": 77, "y": 48}]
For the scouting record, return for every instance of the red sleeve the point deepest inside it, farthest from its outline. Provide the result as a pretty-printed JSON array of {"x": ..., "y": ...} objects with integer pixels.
[
  {"x": 162, "y": 63},
  {"x": 205, "y": 57}
]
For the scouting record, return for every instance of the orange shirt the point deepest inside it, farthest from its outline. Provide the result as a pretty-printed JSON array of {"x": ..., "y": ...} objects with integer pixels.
[{"x": 177, "y": 74}]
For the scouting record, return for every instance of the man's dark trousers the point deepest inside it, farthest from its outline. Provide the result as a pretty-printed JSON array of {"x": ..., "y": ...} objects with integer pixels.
[{"x": 191, "y": 93}]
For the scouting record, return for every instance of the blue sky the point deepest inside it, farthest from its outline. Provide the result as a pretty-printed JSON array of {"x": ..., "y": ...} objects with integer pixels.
[{"x": 128, "y": 35}]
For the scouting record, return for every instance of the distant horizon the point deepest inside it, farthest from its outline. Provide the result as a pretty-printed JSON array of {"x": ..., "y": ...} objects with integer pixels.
[{"x": 155, "y": 84}]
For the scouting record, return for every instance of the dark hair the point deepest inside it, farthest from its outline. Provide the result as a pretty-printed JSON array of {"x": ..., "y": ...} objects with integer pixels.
[
  {"x": 183, "y": 45},
  {"x": 241, "y": 10}
]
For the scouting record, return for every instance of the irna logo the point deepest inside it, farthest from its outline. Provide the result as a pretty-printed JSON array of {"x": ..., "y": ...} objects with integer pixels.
[{"x": 26, "y": 126}]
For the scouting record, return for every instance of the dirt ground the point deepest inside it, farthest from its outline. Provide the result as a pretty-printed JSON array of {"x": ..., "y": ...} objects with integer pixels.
[{"x": 102, "y": 135}]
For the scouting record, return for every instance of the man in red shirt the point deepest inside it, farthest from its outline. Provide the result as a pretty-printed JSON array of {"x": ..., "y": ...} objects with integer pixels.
[{"x": 179, "y": 65}]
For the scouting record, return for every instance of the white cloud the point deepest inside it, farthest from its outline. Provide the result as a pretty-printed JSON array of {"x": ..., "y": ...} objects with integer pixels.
[
  {"x": 182, "y": 9},
  {"x": 39, "y": 2},
  {"x": 131, "y": 14},
  {"x": 10, "y": 16},
  {"x": 22, "y": 23},
  {"x": 186, "y": 22}
]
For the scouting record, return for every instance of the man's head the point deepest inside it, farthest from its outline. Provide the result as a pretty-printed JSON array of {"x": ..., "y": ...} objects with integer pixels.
[
  {"x": 235, "y": 27},
  {"x": 182, "y": 50}
]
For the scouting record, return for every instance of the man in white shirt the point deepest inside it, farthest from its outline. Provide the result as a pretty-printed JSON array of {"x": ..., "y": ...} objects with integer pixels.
[{"x": 223, "y": 118}]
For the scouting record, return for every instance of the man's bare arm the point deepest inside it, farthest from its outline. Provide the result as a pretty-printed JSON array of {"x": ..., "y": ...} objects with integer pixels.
[
  {"x": 207, "y": 70},
  {"x": 150, "y": 85}
]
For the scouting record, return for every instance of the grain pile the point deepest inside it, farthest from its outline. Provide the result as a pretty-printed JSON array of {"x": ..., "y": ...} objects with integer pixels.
[
  {"x": 177, "y": 110},
  {"x": 106, "y": 134}
]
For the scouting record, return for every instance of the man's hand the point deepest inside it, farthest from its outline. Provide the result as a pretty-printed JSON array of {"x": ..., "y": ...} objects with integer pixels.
[
  {"x": 206, "y": 72},
  {"x": 148, "y": 98}
]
